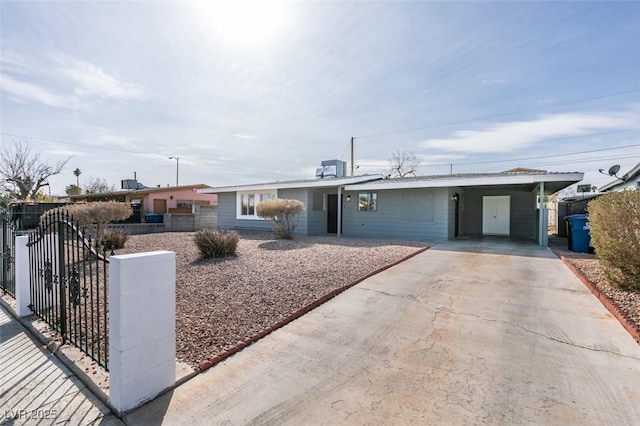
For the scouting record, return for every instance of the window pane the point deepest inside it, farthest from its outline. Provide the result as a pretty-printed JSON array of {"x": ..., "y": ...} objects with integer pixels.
[
  {"x": 373, "y": 201},
  {"x": 252, "y": 205},
  {"x": 363, "y": 201},
  {"x": 244, "y": 210},
  {"x": 265, "y": 197}
]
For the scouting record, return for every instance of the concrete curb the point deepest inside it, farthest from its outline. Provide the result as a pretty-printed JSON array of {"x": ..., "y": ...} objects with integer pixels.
[
  {"x": 608, "y": 302},
  {"x": 210, "y": 362}
]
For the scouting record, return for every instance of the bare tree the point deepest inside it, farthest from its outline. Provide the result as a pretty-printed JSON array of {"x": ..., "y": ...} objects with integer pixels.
[
  {"x": 98, "y": 186},
  {"x": 404, "y": 163},
  {"x": 22, "y": 171}
]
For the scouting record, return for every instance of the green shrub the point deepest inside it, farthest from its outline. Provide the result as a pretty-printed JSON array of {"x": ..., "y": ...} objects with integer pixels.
[
  {"x": 282, "y": 213},
  {"x": 113, "y": 240},
  {"x": 615, "y": 234},
  {"x": 214, "y": 243}
]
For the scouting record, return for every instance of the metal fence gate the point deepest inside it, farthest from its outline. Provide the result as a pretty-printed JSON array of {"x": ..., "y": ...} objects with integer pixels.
[
  {"x": 7, "y": 259},
  {"x": 69, "y": 276}
]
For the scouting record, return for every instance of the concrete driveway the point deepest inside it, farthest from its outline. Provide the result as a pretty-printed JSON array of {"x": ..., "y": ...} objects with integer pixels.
[{"x": 468, "y": 332}]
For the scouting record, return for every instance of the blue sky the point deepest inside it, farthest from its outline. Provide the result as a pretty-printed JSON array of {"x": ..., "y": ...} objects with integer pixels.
[{"x": 265, "y": 91}]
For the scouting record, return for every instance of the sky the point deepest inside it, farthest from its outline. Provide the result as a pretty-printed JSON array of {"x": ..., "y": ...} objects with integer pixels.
[{"x": 250, "y": 92}]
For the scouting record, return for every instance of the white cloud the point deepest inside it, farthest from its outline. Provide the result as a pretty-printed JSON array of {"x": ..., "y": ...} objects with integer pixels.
[
  {"x": 92, "y": 80},
  {"x": 25, "y": 92},
  {"x": 11, "y": 61},
  {"x": 508, "y": 137}
]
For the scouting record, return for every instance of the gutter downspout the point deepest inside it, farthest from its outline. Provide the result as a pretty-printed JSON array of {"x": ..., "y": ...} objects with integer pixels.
[{"x": 339, "y": 211}]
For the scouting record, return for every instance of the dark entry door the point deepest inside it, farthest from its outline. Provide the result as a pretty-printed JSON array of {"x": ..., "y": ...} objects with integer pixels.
[{"x": 332, "y": 214}]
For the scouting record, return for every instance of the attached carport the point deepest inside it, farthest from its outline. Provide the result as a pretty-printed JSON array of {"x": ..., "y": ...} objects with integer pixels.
[{"x": 509, "y": 203}]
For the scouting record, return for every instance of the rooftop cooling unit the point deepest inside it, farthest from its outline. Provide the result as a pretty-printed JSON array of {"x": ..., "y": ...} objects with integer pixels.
[
  {"x": 131, "y": 184},
  {"x": 326, "y": 171}
]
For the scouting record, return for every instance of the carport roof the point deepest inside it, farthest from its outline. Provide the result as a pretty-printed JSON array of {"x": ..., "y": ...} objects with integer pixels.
[{"x": 553, "y": 181}]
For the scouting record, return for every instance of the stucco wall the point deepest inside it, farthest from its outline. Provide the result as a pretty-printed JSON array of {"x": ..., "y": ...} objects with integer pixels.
[
  {"x": 412, "y": 214},
  {"x": 172, "y": 198}
]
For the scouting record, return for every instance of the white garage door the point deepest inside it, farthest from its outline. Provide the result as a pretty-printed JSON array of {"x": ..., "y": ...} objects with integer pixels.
[{"x": 496, "y": 215}]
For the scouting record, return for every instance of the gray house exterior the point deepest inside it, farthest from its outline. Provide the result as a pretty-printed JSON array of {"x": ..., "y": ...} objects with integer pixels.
[{"x": 424, "y": 208}]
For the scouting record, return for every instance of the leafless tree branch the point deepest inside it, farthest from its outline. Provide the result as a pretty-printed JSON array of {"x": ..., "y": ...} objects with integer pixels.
[{"x": 22, "y": 171}]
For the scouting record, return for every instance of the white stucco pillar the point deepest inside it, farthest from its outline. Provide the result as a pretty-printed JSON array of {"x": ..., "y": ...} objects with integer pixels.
[
  {"x": 23, "y": 292},
  {"x": 142, "y": 332}
]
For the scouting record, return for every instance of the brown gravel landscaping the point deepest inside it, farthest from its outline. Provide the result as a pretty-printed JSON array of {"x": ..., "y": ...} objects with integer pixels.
[
  {"x": 221, "y": 302},
  {"x": 628, "y": 302}
]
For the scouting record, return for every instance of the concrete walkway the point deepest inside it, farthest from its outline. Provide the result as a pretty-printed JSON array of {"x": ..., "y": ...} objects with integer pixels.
[
  {"x": 477, "y": 332},
  {"x": 36, "y": 388}
]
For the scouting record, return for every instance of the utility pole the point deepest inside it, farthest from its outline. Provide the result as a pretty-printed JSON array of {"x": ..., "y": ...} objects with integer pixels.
[{"x": 352, "y": 156}]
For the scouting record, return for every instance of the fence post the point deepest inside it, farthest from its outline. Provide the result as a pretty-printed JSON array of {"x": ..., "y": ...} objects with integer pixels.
[
  {"x": 4, "y": 247},
  {"x": 142, "y": 333},
  {"x": 62, "y": 276},
  {"x": 23, "y": 289}
]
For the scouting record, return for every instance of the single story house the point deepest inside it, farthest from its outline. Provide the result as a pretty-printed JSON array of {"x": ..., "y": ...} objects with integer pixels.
[
  {"x": 159, "y": 200},
  {"x": 430, "y": 208},
  {"x": 630, "y": 180}
]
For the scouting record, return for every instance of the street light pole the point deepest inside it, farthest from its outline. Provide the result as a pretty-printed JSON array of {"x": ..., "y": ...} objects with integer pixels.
[{"x": 177, "y": 166}]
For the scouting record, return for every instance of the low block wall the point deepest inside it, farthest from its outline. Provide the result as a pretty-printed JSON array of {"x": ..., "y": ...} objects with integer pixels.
[
  {"x": 179, "y": 222},
  {"x": 137, "y": 228}
]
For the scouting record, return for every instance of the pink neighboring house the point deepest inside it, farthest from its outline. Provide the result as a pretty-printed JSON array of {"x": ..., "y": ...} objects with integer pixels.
[{"x": 170, "y": 199}]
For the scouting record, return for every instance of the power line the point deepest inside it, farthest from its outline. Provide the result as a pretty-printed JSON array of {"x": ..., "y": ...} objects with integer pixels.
[
  {"x": 487, "y": 148},
  {"x": 451, "y": 123},
  {"x": 539, "y": 157},
  {"x": 554, "y": 163},
  {"x": 72, "y": 144},
  {"x": 524, "y": 159},
  {"x": 124, "y": 150}
]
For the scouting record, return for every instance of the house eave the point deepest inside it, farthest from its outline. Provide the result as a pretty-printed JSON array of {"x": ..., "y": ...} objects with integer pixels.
[
  {"x": 139, "y": 192},
  {"x": 318, "y": 183},
  {"x": 516, "y": 179}
]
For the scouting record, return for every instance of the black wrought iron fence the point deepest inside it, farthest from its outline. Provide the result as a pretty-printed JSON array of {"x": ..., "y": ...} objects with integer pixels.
[
  {"x": 69, "y": 279},
  {"x": 7, "y": 256}
]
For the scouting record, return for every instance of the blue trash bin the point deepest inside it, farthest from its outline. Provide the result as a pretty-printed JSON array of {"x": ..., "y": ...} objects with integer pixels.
[
  {"x": 153, "y": 218},
  {"x": 579, "y": 238}
]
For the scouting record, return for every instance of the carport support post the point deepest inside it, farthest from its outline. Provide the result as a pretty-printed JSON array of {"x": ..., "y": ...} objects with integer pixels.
[
  {"x": 339, "y": 211},
  {"x": 543, "y": 238}
]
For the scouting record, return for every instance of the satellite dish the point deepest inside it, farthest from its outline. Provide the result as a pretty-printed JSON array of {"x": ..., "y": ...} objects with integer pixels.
[{"x": 613, "y": 170}]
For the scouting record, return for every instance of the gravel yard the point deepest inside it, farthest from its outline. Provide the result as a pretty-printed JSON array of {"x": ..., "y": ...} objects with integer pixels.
[
  {"x": 588, "y": 264},
  {"x": 223, "y": 301}
]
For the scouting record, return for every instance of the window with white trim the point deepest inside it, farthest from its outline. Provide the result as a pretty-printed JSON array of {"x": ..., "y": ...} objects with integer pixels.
[
  {"x": 247, "y": 202},
  {"x": 368, "y": 201}
]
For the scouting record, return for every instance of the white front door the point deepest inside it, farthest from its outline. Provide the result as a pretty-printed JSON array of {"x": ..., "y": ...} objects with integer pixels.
[{"x": 496, "y": 215}]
